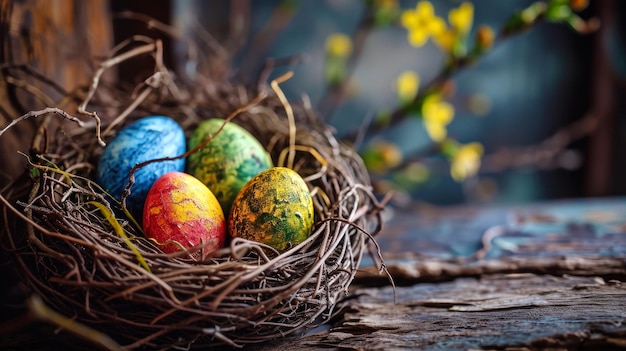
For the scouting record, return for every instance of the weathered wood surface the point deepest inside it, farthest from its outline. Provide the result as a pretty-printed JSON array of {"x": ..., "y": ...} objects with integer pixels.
[
  {"x": 498, "y": 312},
  {"x": 581, "y": 237},
  {"x": 548, "y": 276}
]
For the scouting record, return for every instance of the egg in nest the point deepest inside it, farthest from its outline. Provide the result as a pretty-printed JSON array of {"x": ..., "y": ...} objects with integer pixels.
[
  {"x": 228, "y": 161},
  {"x": 274, "y": 208},
  {"x": 181, "y": 213}
]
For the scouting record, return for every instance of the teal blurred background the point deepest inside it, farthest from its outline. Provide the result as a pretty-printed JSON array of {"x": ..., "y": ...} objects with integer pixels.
[{"x": 534, "y": 84}]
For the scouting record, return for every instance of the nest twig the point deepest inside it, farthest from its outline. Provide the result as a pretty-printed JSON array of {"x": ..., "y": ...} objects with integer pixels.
[{"x": 100, "y": 271}]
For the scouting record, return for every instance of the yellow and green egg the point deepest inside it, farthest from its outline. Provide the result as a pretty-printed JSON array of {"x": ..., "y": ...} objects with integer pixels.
[{"x": 275, "y": 208}]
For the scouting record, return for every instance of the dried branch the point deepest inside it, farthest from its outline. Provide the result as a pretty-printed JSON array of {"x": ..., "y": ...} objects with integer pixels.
[{"x": 335, "y": 95}]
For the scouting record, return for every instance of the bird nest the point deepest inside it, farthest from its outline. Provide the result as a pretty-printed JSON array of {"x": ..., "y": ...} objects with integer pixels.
[{"x": 73, "y": 246}]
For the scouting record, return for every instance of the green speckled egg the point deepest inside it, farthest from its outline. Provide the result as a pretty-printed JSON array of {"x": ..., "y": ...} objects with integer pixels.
[
  {"x": 274, "y": 208},
  {"x": 228, "y": 161}
]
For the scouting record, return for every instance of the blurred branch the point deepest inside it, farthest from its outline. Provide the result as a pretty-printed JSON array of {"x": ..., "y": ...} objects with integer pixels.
[
  {"x": 239, "y": 22},
  {"x": 520, "y": 22},
  {"x": 546, "y": 153},
  {"x": 262, "y": 40},
  {"x": 334, "y": 95},
  {"x": 552, "y": 153}
]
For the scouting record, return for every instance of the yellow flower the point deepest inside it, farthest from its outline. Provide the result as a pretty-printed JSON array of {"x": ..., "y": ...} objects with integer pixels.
[
  {"x": 338, "y": 45},
  {"x": 381, "y": 156},
  {"x": 446, "y": 39},
  {"x": 407, "y": 85},
  {"x": 485, "y": 37},
  {"x": 437, "y": 114},
  {"x": 422, "y": 23},
  {"x": 416, "y": 172},
  {"x": 466, "y": 161},
  {"x": 461, "y": 18}
]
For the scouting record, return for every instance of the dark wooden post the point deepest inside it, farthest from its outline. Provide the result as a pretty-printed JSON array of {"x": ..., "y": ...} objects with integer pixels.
[
  {"x": 602, "y": 142},
  {"x": 58, "y": 39}
]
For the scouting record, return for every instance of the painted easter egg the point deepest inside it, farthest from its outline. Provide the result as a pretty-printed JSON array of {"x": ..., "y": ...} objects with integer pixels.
[
  {"x": 228, "y": 161},
  {"x": 181, "y": 212},
  {"x": 275, "y": 208},
  {"x": 146, "y": 139}
]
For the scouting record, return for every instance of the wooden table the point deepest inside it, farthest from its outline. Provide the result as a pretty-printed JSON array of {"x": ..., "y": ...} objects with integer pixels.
[{"x": 545, "y": 276}]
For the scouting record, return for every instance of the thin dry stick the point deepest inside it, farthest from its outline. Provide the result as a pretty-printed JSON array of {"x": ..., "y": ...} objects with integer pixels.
[
  {"x": 289, "y": 111},
  {"x": 35, "y": 114},
  {"x": 152, "y": 82},
  {"x": 107, "y": 64}
]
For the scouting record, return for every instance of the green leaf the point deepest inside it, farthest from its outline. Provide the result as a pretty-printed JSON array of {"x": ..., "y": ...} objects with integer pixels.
[{"x": 557, "y": 12}]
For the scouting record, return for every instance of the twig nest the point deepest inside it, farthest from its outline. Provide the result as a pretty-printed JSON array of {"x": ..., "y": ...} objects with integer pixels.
[
  {"x": 78, "y": 247},
  {"x": 80, "y": 251}
]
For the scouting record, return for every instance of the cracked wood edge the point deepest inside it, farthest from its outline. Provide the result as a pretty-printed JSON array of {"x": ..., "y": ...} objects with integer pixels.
[{"x": 409, "y": 272}]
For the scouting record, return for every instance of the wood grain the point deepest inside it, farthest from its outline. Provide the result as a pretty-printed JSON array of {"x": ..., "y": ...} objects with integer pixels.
[
  {"x": 497, "y": 312},
  {"x": 535, "y": 277},
  {"x": 60, "y": 40}
]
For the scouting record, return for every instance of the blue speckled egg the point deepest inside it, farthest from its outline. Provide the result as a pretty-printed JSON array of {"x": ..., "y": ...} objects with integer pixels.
[{"x": 146, "y": 139}]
